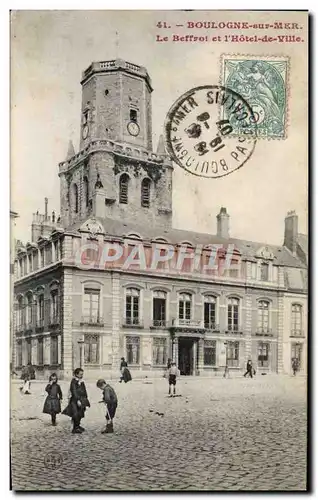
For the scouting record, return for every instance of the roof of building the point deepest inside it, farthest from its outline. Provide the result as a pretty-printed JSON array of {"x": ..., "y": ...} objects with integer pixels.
[
  {"x": 302, "y": 240},
  {"x": 281, "y": 255}
]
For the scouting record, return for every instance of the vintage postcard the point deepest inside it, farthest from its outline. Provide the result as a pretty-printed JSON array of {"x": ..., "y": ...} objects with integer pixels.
[{"x": 159, "y": 250}]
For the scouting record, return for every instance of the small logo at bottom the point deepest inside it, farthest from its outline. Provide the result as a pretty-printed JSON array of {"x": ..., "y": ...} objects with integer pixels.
[{"x": 53, "y": 460}]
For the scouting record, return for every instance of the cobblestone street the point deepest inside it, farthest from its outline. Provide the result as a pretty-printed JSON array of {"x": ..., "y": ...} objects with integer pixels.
[{"x": 222, "y": 434}]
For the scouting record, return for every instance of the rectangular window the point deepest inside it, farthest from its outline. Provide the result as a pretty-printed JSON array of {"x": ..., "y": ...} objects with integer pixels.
[
  {"x": 263, "y": 354},
  {"x": 91, "y": 349},
  {"x": 209, "y": 315},
  {"x": 40, "y": 321},
  {"x": 185, "y": 309},
  {"x": 42, "y": 262},
  {"x": 56, "y": 250},
  {"x": 48, "y": 254},
  {"x": 264, "y": 272},
  {"x": 232, "y": 354},
  {"x": 19, "y": 361},
  {"x": 133, "y": 350},
  {"x": 54, "y": 351},
  {"x": 25, "y": 263},
  {"x": 40, "y": 351},
  {"x": 30, "y": 263},
  {"x": 263, "y": 317},
  {"x": 210, "y": 352},
  {"x": 54, "y": 313},
  {"x": 91, "y": 310},
  {"x": 296, "y": 320},
  {"x": 132, "y": 310},
  {"x": 29, "y": 351},
  {"x": 133, "y": 115},
  {"x": 159, "y": 311},
  {"x": 233, "y": 315},
  {"x": 159, "y": 353},
  {"x": 35, "y": 261}
]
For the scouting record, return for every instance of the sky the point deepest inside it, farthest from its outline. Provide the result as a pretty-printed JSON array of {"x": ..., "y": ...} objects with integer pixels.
[{"x": 49, "y": 51}]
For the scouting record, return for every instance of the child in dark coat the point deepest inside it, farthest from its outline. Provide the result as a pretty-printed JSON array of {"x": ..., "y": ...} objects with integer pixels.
[
  {"x": 78, "y": 401},
  {"x": 52, "y": 404},
  {"x": 111, "y": 401}
]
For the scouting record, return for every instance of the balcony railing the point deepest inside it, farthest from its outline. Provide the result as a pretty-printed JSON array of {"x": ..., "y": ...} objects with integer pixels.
[
  {"x": 39, "y": 325},
  {"x": 29, "y": 325},
  {"x": 213, "y": 327},
  {"x": 159, "y": 323},
  {"x": 132, "y": 323},
  {"x": 92, "y": 321},
  {"x": 54, "y": 320},
  {"x": 234, "y": 330},
  {"x": 264, "y": 331},
  {"x": 297, "y": 333}
]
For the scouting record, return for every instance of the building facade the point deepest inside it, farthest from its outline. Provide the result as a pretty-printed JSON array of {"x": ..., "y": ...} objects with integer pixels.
[{"x": 111, "y": 277}]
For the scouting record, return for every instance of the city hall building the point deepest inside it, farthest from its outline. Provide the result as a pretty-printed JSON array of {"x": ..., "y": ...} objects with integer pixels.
[{"x": 87, "y": 293}]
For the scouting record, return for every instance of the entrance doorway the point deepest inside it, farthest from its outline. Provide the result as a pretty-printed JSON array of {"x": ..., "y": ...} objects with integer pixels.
[{"x": 186, "y": 355}]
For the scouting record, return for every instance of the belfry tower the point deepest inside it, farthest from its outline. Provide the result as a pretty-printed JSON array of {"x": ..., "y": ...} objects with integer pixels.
[{"x": 116, "y": 174}]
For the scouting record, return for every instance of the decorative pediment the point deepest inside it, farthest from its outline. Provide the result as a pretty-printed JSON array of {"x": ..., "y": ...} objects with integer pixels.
[
  {"x": 92, "y": 226},
  {"x": 264, "y": 253}
]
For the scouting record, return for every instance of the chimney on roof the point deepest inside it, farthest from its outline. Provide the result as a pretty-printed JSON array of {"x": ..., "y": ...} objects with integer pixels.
[
  {"x": 291, "y": 231},
  {"x": 223, "y": 220}
]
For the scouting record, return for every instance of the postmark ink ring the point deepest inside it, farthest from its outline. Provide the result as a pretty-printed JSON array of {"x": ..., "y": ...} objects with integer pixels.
[{"x": 211, "y": 131}]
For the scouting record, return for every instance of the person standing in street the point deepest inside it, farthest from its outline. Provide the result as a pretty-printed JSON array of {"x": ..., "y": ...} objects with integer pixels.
[
  {"x": 111, "y": 401},
  {"x": 78, "y": 401},
  {"x": 52, "y": 404},
  {"x": 173, "y": 373},
  {"x": 295, "y": 366},
  {"x": 25, "y": 377},
  {"x": 125, "y": 373},
  {"x": 249, "y": 368}
]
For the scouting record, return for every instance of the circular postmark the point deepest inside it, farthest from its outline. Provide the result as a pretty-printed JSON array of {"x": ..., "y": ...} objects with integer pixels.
[
  {"x": 53, "y": 460},
  {"x": 211, "y": 131}
]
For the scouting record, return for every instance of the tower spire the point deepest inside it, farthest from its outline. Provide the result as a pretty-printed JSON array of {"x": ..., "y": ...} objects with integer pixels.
[{"x": 70, "y": 150}]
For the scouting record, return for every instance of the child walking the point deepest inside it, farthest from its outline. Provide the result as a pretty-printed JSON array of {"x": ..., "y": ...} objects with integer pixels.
[
  {"x": 111, "y": 401},
  {"x": 52, "y": 404},
  {"x": 173, "y": 373},
  {"x": 78, "y": 401}
]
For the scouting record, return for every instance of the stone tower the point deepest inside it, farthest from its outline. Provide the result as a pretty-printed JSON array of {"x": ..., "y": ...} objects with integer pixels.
[{"x": 116, "y": 174}]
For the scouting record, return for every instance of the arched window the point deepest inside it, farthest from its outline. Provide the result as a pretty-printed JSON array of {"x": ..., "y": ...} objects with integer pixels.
[
  {"x": 86, "y": 193},
  {"x": 185, "y": 300},
  {"x": 123, "y": 189},
  {"x": 20, "y": 313},
  {"x": 40, "y": 310},
  {"x": 132, "y": 306},
  {"x": 75, "y": 195},
  {"x": 296, "y": 320},
  {"x": 233, "y": 314},
  {"x": 29, "y": 310},
  {"x": 210, "y": 312},
  {"x": 263, "y": 316},
  {"x": 145, "y": 193},
  {"x": 54, "y": 306}
]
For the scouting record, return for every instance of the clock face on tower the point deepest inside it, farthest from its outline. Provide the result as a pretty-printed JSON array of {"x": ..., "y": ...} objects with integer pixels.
[
  {"x": 85, "y": 131},
  {"x": 133, "y": 128}
]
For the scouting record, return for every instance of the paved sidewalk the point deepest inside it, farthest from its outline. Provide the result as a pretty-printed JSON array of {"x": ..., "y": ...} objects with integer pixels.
[{"x": 222, "y": 434}]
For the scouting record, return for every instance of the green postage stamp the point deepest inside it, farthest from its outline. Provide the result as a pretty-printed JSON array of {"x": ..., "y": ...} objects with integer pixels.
[{"x": 263, "y": 82}]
